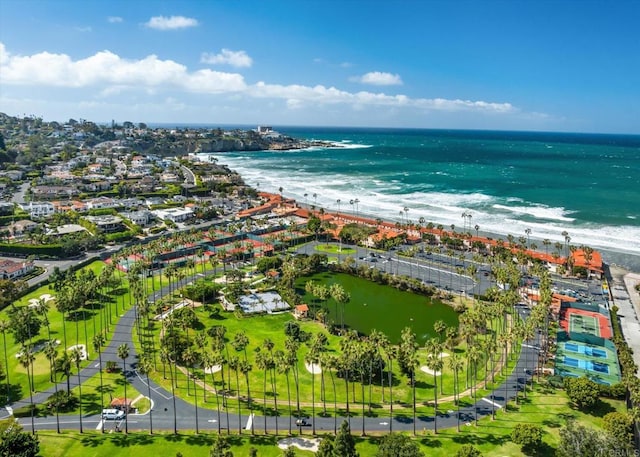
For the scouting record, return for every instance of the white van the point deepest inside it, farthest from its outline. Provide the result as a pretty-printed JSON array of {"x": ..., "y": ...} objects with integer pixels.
[{"x": 112, "y": 414}]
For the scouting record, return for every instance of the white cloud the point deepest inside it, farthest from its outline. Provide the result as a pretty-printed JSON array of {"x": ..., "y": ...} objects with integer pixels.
[
  {"x": 378, "y": 78},
  {"x": 108, "y": 75},
  {"x": 83, "y": 29},
  {"x": 108, "y": 69},
  {"x": 228, "y": 57},
  {"x": 171, "y": 23},
  {"x": 114, "y": 19}
]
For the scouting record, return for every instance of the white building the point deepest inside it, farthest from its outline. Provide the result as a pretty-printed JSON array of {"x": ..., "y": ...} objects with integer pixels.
[
  {"x": 141, "y": 218},
  {"x": 38, "y": 209},
  {"x": 12, "y": 270},
  {"x": 174, "y": 214}
]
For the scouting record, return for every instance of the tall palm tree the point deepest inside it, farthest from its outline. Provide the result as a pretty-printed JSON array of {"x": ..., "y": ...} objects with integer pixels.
[
  {"x": 209, "y": 360},
  {"x": 456, "y": 364},
  {"x": 145, "y": 366},
  {"x": 98, "y": 342},
  {"x": 245, "y": 368},
  {"x": 190, "y": 358},
  {"x": 434, "y": 362},
  {"x": 123, "y": 353},
  {"x": 284, "y": 367},
  {"x": 76, "y": 356},
  {"x": 51, "y": 353},
  {"x": 26, "y": 360},
  {"x": 64, "y": 365},
  {"x": 234, "y": 364},
  {"x": 5, "y": 326},
  {"x": 312, "y": 358}
]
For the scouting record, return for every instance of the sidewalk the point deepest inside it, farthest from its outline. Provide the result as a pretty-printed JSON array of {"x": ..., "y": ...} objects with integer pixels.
[{"x": 626, "y": 298}]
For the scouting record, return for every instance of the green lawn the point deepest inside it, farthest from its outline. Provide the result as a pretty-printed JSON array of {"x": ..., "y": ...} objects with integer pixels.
[{"x": 334, "y": 249}]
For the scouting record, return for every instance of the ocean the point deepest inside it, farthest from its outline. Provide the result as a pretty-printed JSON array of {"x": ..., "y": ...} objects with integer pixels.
[{"x": 587, "y": 185}]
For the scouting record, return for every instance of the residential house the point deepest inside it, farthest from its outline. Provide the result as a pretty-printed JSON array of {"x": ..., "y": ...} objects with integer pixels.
[
  {"x": 107, "y": 223},
  {"x": 174, "y": 214},
  {"x": 19, "y": 228},
  {"x": 10, "y": 269},
  {"x": 102, "y": 202},
  {"x": 141, "y": 218},
  {"x": 38, "y": 209}
]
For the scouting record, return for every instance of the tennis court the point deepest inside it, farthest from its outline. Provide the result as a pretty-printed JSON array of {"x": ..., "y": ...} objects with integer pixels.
[
  {"x": 587, "y": 365},
  {"x": 579, "y": 323},
  {"x": 586, "y": 350}
]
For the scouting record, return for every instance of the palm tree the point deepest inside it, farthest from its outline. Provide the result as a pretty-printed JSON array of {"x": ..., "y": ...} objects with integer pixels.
[
  {"x": 76, "y": 356},
  {"x": 312, "y": 358},
  {"x": 456, "y": 364},
  {"x": 26, "y": 360},
  {"x": 98, "y": 342},
  {"x": 209, "y": 360},
  {"x": 245, "y": 368},
  {"x": 145, "y": 366},
  {"x": 434, "y": 362},
  {"x": 123, "y": 353},
  {"x": 5, "y": 326},
  {"x": 284, "y": 367},
  {"x": 440, "y": 328},
  {"x": 190, "y": 358},
  {"x": 64, "y": 365},
  {"x": 234, "y": 364},
  {"x": 262, "y": 362}
]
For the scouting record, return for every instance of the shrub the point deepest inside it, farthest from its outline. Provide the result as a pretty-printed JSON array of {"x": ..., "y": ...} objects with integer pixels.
[
  {"x": 65, "y": 401},
  {"x": 529, "y": 436},
  {"x": 618, "y": 425},
  {"x": 583, "y": 392},
  {"x": 468, "y": 451}
]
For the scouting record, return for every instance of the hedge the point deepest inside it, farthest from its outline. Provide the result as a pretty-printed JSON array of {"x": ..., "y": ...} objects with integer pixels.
[{"x": 51, "y": 250}]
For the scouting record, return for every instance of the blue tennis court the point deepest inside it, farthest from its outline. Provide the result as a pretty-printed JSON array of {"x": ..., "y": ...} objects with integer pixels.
[
  {"x": 586, "y": 350},
  {"x": 587, "y": 365}
]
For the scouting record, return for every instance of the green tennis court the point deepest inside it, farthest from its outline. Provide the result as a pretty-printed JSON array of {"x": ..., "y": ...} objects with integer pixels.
[{"x": 579, "y": 323}]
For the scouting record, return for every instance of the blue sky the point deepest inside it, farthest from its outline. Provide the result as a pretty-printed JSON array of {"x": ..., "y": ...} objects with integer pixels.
[{"x": 564, "y": 65}]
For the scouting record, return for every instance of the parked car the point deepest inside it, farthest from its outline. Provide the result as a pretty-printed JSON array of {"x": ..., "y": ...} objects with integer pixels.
[{"x": 112, "y": 414}]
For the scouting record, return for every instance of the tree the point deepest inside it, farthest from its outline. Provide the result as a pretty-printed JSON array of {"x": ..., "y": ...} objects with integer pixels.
[
  {"x": 583, "y": 392},
  {"x": 398, "y": 445},
  {"x": 289, "y": 452},
  {"x": 76, "y": 357},
  {"x": 618, "y": 426},
  {"x": 16, "y": 443},
  {"x": 326, "y": 447},
  {"x": 344, "y": 444},
  {"x": 529, "y": 436},
  {"x": 468, "y": 451},
  {"x": 123, "y": 353},
  {"x": 586, "y": 442},
  {"x": 221, "y": 447},
  {"x": 5, "y": 326}
]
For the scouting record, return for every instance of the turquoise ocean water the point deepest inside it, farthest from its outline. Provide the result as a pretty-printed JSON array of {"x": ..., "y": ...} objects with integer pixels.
[{"x": 587, "y": 185}]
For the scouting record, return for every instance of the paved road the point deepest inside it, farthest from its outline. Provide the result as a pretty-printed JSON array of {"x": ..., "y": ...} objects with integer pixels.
[{"x": 170, "y": 412}]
